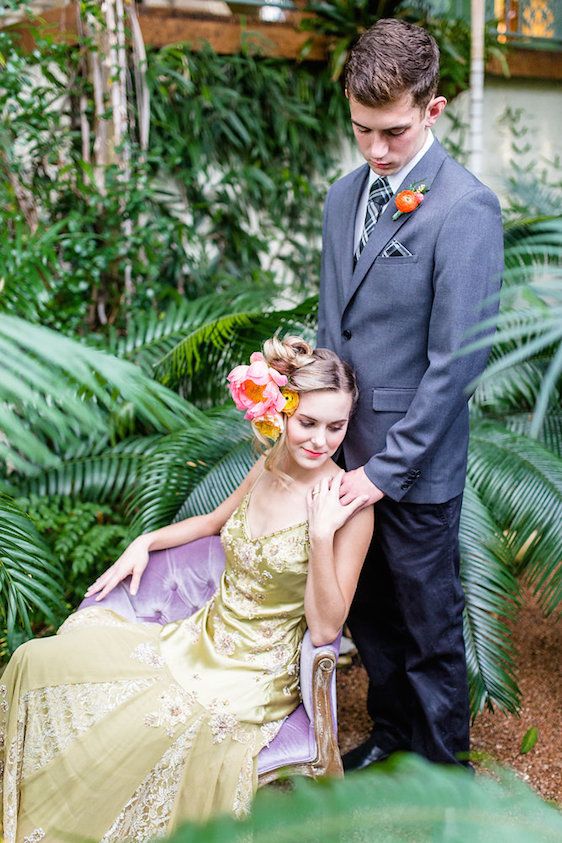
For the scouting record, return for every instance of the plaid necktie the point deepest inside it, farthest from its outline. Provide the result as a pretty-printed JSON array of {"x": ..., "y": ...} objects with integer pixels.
[{"x": 379, "y": 194}]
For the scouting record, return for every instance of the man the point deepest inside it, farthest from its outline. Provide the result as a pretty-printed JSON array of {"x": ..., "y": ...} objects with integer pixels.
[{"x": 399, "y": 294}]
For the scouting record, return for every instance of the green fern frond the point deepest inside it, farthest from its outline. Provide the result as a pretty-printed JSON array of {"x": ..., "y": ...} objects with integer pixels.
[
  {"x": 150, "y": 337},
  {"x": 30, "y": 576},
  {"x": 223, "y": 478},
  {"x": 550, "y": 434},
  {"x": 178, "y": 464},
  {"x": 100, "y": 541},
  {"x": 520, "y": 483},
  {"x": 224, "y": 343},
  {"x": 55, "y": 392},
  {"x": 492, "y": 597}
]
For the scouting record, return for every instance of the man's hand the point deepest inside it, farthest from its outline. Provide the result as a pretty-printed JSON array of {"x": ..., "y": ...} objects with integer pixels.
[{"x": 356, "y": 484}]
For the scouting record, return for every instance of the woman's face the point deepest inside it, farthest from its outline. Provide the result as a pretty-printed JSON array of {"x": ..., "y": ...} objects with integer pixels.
[{"x": 317, "y": 428}]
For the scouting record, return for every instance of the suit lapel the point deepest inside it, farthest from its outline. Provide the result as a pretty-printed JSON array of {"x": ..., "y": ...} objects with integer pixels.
[
  {"x": 349, "y": 213},
  {"x": 386, "y": 227}
]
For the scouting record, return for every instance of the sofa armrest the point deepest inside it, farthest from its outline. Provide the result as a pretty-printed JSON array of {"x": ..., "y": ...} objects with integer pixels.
[
  {"x": 314, "y": 659},
  {"x": 318, "y": 689}
]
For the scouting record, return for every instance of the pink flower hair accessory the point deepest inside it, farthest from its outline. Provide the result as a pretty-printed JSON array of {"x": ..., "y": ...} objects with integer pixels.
[{"x": 256, "y": 388}]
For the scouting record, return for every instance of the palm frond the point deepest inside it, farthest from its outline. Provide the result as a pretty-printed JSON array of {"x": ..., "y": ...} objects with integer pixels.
[
  {"x": 510, "y": 389},
  {"x": 530, "y": 194},
  {"x": 528, "y": 331},
  {"x": 179, "y": 463},
  {"x": 520, "y": 483},
  {"x": 30, "y": 577},
  {"x": 106, "y": 475},
  {"x": 492, "y": 596},
  {"x": 531, "y": 242},
  {"x": 55, "y": 392},
  {"x": 27, "y": 259},
  {"x": 187, "y": 357},
  {"x": 550, "y": 434},
  {"x": 152, "y": 336},
  {"x": 548, "y": 391},
  {"x": 223, "y": 343},
  {"x": 223, "y": 478}
]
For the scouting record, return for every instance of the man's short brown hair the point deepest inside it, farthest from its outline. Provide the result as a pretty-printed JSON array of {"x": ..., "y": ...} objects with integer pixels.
[{"x": 389, "y": 59}]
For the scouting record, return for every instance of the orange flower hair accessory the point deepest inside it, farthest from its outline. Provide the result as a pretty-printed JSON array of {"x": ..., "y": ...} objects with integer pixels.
[
  {"x": 270, "y": 426},
  {"x": 292, "y": 400},
  {"x": 408, "y": 200}
]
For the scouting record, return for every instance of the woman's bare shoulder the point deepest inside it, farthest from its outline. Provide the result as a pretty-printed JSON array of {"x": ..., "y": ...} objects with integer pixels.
[{"x": 360, "y": 524}]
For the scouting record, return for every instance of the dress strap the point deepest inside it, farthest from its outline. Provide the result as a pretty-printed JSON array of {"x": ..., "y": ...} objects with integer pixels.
[{"x": 255, "y": 483}]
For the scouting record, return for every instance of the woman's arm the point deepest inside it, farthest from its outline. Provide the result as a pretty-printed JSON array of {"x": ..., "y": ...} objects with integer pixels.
[
  {"x": 134, "y": 559},
  {"x": 339, "y": 540}
]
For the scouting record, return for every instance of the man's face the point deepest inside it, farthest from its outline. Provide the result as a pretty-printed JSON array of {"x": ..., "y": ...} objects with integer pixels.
[{"x": 390, "y": 135}]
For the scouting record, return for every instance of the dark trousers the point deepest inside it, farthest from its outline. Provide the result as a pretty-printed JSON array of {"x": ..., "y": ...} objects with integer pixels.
[{"x": 406, "y": 620}]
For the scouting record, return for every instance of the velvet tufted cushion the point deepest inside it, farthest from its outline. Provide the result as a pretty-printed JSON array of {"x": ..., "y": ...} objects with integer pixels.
[{"x": 174, "y": 585}]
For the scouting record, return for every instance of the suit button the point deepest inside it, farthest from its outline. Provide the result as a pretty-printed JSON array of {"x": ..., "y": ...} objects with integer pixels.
[{"x": 346, "y": 334}]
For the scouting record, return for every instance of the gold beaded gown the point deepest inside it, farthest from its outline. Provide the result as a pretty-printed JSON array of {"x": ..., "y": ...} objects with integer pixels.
[{"x": 118, "y": 731}]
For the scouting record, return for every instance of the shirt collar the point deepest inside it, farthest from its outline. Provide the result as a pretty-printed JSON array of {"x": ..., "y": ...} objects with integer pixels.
[{"x": 396, "y": 179}]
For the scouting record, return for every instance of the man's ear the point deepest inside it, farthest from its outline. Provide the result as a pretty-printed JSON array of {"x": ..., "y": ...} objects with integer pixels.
[{"x": 434, "y": 110}]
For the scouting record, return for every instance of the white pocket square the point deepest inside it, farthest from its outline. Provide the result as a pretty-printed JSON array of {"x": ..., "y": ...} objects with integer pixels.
[{"x": 395, "y": 249}]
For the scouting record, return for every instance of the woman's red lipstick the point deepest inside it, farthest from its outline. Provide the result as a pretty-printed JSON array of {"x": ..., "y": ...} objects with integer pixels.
[{"x": 313, "y": 453}]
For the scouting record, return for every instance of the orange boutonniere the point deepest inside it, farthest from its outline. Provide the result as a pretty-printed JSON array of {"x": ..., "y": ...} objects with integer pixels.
[{"x": 409, "y": 199}]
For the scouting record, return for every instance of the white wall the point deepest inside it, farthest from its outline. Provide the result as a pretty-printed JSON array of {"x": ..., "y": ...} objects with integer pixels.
[{"x": 541, "y": 103}]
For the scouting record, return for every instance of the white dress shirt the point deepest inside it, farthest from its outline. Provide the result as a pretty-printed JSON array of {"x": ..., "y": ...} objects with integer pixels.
[{"x": 395, "y": 180}]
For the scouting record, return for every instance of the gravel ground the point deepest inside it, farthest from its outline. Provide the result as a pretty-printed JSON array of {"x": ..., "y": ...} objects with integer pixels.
[{"x": 538, "y": 642}]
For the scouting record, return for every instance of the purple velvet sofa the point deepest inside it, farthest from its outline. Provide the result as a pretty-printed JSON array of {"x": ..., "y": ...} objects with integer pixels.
[{"x": 175, "y": 584}]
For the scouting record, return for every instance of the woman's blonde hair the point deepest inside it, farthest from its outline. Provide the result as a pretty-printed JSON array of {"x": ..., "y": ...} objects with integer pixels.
[{"x": 308, "y": 370}]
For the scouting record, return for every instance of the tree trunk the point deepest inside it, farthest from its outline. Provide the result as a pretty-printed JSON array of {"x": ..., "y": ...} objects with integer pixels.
[
  {"x": 114, "y": 127},
  {"x": 476, "y": 84}
]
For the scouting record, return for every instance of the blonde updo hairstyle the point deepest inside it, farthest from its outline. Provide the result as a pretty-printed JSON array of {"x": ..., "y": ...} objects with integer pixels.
[{"x": 308, "y": 370}]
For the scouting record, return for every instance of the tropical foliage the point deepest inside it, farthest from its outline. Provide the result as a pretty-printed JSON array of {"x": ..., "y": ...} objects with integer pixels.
[
  {"x": 404, "y": 799},
  {"x": 228, "y": 194}
]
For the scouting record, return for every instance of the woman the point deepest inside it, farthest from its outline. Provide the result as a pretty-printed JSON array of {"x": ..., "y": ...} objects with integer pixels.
[{"x": 118, "y": 731}]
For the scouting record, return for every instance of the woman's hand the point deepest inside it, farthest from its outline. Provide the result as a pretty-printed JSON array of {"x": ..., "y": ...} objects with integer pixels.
[
  {"x": 132, "y": 562},
  {"x": 325, "y": 512}
]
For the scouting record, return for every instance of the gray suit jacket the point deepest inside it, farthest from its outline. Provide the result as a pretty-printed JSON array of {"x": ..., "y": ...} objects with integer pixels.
[{"x": 399, "y": 321}]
